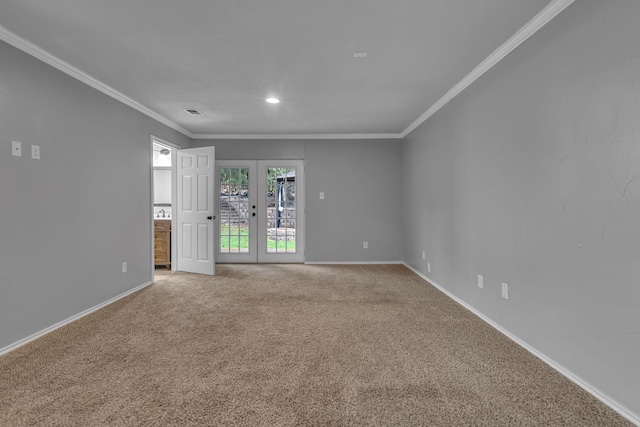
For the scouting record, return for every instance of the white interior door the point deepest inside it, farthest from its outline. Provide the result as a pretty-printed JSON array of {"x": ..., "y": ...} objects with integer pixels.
[
  {"x": 261, "y": 212},
  {"x": 195, "y": 171}
]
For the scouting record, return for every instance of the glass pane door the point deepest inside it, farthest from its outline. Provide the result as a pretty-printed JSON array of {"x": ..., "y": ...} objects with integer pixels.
[
  {"x": 237, "y": 212},
  {"x": 281, "y": 210},
  {"x": 280, "y": 238}
]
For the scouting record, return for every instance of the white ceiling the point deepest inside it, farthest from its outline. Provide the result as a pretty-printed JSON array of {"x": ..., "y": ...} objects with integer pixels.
[{"x": 225, "y": 57}]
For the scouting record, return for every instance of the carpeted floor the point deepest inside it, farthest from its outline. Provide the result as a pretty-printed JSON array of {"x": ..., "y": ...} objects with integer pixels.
[{"x": 283, "y": 345}]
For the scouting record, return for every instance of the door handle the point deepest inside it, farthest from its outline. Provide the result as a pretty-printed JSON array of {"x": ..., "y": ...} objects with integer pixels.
[{"x": 211, "y": 217}]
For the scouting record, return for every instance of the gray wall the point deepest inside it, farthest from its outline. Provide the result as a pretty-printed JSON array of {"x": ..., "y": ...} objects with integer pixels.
[
  {"x": 532, "y": 177},
  {"x": 361, "y": 182},
  {"x": 69, "y": 220}
]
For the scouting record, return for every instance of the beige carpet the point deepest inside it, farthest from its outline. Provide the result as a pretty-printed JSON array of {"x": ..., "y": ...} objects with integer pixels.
[{"x": 284, "y": 345}]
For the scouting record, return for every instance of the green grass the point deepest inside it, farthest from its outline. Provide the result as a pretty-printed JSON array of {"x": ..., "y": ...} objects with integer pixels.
[
  {"x": 281, "y": 245},
  {"x": 238, "y": 238}
]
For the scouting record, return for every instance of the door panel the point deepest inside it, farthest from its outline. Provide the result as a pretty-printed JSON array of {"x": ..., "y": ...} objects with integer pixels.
[
  {"x": 196, "y": 168},
  {"x": 236, "y": 184},
  {"x": 203, "y": 241},
  {"x": 186, "y": 239},
  {"x": 281, "y": 227}
]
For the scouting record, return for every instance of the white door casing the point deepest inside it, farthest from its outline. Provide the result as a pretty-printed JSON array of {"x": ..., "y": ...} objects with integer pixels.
[{"x": 196, "y": 210}]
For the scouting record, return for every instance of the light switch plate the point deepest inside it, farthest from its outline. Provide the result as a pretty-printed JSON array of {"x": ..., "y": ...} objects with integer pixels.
[
  {"x": 16, "y": 148},
  {"x": 322, "y": 195},
  {"x": 505, "y": 291},
  {"x": 480, "y": 281},
  {"x": 35, "y": 151}
]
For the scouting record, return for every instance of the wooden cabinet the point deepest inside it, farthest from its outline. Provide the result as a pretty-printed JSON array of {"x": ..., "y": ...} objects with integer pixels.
[{"x": 162, "y": 242}]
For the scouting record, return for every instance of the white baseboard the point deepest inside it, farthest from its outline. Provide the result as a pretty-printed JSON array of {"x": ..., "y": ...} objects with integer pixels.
[
  {"x": 62, "y": 323},
  {"x": 352, "y": 262},
  {"x": 620, "y": 409}
]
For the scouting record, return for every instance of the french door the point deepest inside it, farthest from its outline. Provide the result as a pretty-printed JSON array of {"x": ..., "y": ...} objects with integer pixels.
[
  {"x": 260, "y": 211},
  {"x": 237, "y": 211}
]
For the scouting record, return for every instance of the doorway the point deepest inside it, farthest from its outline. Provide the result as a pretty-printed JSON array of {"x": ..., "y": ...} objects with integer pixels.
[
  {"x": 163, "y": 191},
  {"x": 260, "y": 211},
  {"x": 182, "y": 208}
]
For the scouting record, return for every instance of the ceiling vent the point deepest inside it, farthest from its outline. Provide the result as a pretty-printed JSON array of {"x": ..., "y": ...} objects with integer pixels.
[{"x": 193, "y": 112}]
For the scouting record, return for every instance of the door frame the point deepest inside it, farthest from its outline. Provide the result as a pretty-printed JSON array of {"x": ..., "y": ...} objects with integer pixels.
[{"x": 174, "y": 149}]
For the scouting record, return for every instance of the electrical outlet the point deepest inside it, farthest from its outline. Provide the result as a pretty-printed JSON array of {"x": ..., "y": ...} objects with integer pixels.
[
  {"x": 505, "y": 291},
  {"x": 424, "y": 255},
  {"x": 428, "y": 267},
  {"x": 35, "y": 151},
  {"x": 480, "y": 281},
  {"x": 124, "y": 267},
  {"x": 365, "y": 245},
  {"x": 322, "y": 195},
  {"x": 16, "y": 148}
]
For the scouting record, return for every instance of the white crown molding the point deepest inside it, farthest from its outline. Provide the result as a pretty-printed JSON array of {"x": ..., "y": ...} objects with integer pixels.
[
  {"x": 38, "y": 52},
  {"x": 538, "y": 21},
  {"x": 298, "y": 136},
  {"x": 535, "y": 24}
]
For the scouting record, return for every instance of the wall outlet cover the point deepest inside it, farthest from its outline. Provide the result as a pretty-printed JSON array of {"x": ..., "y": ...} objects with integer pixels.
[{"x": 480, "y": 281}]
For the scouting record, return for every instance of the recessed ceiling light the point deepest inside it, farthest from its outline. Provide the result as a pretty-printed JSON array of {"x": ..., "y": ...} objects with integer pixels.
[
  {"x": 273, "y": 100},
  {"x": 193, "y": 112},
  {"x": 360, "y": 54}
]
